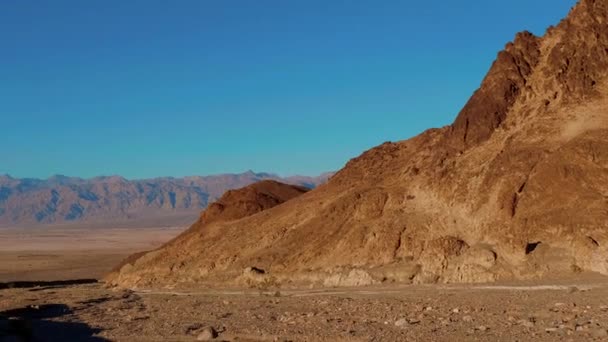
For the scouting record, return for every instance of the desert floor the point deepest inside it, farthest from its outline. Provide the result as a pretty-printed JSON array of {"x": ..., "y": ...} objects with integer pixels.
[
  {"x": 570, "y": 309},
  {"x": 60, "y": 253}
]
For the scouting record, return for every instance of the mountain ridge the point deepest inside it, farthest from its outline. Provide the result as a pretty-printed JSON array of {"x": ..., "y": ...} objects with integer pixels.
[{"x": 61, "y": 199}]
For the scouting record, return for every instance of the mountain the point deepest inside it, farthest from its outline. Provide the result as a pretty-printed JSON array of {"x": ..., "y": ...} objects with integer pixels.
[
  {"x": 516, "y": 187},
  {"x": 234, "y": 205},
  {"x": 110, "y": 200}
]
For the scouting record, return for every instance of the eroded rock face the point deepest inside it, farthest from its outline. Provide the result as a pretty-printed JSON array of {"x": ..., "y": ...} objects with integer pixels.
[
  {"x": 517, "y": 187},
  {"x": 504, "y": 84}
]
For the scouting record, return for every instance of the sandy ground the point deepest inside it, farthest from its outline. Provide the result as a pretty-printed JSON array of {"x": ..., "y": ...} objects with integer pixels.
[
  {"x": 71, "y": 253},
  {"x": 571, "y": 310}
]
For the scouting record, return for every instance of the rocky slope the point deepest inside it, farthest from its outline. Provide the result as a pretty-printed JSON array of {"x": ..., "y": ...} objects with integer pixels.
[
  {"x": 233, "y": 205},
  {"x": 166, "y": 201},
  {"x": 516, "y": 187}
]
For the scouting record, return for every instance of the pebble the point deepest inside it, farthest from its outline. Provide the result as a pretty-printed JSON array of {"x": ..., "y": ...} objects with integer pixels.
[
  {"x": 401, "y": 323},
  {"x": 207, "y": 334},
  {"x": 191, "y": 328},
  {"x": 482, "y": 328},
  {"x": 549, "y": 330},
  {"x": 467, "y": 318},
  {"x": 526, "y": 323},
  {"x": 599, "y": 333},
  {"x": 456, "y": 310}
]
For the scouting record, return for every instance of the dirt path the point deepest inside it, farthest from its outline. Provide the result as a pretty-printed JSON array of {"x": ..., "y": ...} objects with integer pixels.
[{"x": 591, "y": 283}]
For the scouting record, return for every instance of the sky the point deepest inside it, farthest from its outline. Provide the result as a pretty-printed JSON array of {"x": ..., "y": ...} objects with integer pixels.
[{"x": 148, "y": 88}]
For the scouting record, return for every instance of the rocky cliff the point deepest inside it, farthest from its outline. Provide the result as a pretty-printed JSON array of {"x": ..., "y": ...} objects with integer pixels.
[{"x": 516, "y": 187}]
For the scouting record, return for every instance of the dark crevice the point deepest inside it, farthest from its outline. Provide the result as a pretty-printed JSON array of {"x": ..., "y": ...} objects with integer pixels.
[
  {"x": 530, "y": 247},
  {"x": 466, "y": 130},
  {"x": 257, "y": 270},
  {"x": 593, "y": 241},
  {"x": 514, "y": 203},
  {"x": 522, "y": 187},
  {"x": 399, "y": 242}
]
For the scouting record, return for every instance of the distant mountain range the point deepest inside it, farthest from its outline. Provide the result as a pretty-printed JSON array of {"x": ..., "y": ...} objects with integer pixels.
[{"x": 114, "y": 200}]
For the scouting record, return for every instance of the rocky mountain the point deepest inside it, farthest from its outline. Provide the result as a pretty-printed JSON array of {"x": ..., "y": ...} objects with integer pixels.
[
  {"x": 516, "y": 187},
  {"x": 107, "y": 200},
  {"x": 234, "y": 205}
]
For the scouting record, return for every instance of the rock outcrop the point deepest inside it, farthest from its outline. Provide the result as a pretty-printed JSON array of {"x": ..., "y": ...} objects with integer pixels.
[
  {"x": 232, "y": 206},
  {"x": 516, "y": 187}
]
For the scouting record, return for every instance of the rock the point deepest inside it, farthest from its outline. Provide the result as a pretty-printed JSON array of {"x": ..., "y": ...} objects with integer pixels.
[
  {"x": 192, "y": 328},
  {"x": 455, "y": 311},
  {"x": 599, "y": 333},
  {"x": 413, "y": 321},
  {"x": 573, "y": 289},
  {"x": 401, "y": 323},
  {"x": 526, "y": 323},
  {"x": 467, "y": 318},
  {"x": 482, "y": 328},
  {"x": 355, "y": 277},
  {"x": 550, "y": 330},
  {"x": 207, "y": 334}
]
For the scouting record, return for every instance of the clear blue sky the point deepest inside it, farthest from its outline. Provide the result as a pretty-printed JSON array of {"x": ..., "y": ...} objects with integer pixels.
[{"x": 171, "y": 88}]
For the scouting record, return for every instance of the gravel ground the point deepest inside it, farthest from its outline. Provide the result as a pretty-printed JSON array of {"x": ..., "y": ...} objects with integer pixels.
[{"x": 566, "y": 311}]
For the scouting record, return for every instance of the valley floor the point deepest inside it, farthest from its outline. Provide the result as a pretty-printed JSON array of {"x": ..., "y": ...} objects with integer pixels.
[
  {"x": 574, "y": 309},
  {"x": 567, "y": 310},
  {"x": 60, "y": 253}
]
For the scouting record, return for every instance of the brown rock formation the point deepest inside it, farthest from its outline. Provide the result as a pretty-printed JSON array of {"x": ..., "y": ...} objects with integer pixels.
[
  {"x": 236, "y": 204},
  {"x": 516, "y": 187},
  {"x": 233, "y": 205}
]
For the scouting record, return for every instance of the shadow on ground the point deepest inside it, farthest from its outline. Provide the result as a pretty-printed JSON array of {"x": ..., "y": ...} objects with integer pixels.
[
  {"x": 33, "y": 323},
  {"x": 45, "y": 284}
]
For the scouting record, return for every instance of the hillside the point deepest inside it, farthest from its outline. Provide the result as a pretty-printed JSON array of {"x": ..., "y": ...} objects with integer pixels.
[
  {"x": 108, "y": 200},
  {"x": 516, "y": 187}
]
